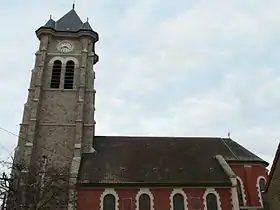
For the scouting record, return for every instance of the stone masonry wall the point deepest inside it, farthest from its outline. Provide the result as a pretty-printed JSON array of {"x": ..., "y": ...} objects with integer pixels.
[
  {"x": 273, "y": 191},
  {"x": 58, "y": 124},
  {"x": 53, "y": 109}
]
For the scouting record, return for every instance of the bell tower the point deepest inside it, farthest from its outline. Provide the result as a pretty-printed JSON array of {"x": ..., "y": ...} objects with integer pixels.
[{"x": 58, "y": 121}]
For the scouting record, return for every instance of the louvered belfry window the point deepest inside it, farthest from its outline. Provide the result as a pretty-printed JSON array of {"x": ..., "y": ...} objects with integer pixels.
[
  {"x": 69, "y": 75},
  {"x": 56, "y": 74}
]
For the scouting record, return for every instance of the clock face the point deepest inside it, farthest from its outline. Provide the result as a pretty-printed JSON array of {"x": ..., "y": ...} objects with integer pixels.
[{"x": 65, "y": 46}]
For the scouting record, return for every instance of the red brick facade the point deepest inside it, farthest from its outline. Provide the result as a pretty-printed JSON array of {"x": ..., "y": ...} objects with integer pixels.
[
  {"x": 90, "y": 198},
  {"x": 249, "y": 174}
]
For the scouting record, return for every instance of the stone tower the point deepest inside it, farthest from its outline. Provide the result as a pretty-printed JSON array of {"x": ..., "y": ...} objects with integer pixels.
[{"x": 58, "y": 121}]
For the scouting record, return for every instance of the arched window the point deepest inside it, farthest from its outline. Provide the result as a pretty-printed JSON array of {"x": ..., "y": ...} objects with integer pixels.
[
  {"x": 69, "y": 75},
  {"x": 262, "y": 183},
  {"x": 178, "y": 202},
  {"x": 144, "y": 202},
  {"x": 109, "y": 202},
  {"x": 56, "y": 73},
  {"x": 211, "y": 201},
  {"x": 240, "y": 193}
]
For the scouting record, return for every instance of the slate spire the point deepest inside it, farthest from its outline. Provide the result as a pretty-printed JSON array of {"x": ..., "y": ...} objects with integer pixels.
[
  {"x": 86, "y": 25},
  {"x": 50, "y": 23},
  {"x": 69, "y": 22}
]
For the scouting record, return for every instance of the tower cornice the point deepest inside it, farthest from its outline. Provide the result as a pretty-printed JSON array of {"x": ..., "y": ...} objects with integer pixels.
[{"x": 74, "y": 34}]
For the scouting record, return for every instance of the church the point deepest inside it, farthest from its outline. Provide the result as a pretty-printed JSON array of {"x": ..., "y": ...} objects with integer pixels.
[{"x": 116, "y": 172}]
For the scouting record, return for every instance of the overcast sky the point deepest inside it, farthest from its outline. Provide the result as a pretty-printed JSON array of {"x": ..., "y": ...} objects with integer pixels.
[{"x": 167, "y": 68}]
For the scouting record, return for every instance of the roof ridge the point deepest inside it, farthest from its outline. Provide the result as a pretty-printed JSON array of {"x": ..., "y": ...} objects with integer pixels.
[
  {"x": 229, "y": 148},
  {"x": 167, "y": 137}
]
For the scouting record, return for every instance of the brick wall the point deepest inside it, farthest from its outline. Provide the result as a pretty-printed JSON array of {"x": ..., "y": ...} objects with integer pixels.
[
  {"x": 91, "y": 198},
  {"x": 273, "y": 191},
  {"x": 249, "y": 175}
]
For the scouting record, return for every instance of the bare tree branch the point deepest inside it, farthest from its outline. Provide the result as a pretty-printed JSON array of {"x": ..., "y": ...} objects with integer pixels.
[{"x": 44, "y": 186}]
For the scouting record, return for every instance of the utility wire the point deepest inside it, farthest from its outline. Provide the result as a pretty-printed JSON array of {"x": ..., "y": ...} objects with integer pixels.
[
  {"x": 1, "y": 145},
  {"x": 11, "y": 133},
  {"x": 3, "y": 129}
]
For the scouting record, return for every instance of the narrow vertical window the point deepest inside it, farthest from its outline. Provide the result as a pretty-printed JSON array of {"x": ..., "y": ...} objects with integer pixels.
[
  {"x": 239, "y": 193},
  {"x": 262, "y": 184},
  {"x": 109, "y": 202},
  {"x": 178, "y": 202},
  {"x": 69, "y": 75},
  {"x": 56, "y": 73},
  {"x": 211, "y": 202},
  {"x": 144, "y": 202}
]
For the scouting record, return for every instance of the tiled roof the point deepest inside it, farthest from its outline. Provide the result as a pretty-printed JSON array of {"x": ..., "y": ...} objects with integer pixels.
[
  {"x": 161, "y": 160},
  {"x": 86, "y": 26},
  {"x": 69, "y": 22},
  {"x": 50, "y": 24},
  {"x": 239, "y": 153}
]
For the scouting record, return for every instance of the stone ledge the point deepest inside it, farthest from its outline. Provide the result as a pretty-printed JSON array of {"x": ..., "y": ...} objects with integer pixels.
[
  {"x": 56, "y": 124},
  {"x": 61, "y": 90},
  {"x": 89, "y": 125},
  {"x": 68, "y": 54},
  {"x": 29, "y": 144}
]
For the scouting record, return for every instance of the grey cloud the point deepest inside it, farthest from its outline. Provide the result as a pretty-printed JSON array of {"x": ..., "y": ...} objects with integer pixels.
[{"x": 140, "y": 55}]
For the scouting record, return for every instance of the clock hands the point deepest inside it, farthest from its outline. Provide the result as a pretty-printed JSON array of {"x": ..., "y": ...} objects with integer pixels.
[{"x": 65, "y": 46}]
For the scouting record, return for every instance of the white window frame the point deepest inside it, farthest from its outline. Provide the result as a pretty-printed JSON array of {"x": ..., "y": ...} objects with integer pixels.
[
  {"x": 213, "y": 191},
  {"x": 259, "y": 188},
  {"x": 178, "y": 191},
  {"x": 242, "y": 190},
  {"x": 147, "y": 192},
  {"x": 109, "y": 191}
]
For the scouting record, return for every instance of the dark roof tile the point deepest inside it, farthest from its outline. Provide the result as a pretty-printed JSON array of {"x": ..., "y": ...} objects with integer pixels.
[
  {"x": 240, "y": 153},
  {"x": 69, "y": 22},
  {"x": 86, "y": 26},
  {"x": 186, "y": 160},
  {"x": 50, "y": 24}
]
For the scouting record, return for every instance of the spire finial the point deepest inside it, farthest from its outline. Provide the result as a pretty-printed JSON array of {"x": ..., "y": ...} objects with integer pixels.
[
  {"x": 50, "y": 16},
  {"x": 73, "y": 6},
  {"x": 87, "y": 19},
  {"x": 229, "y": 134}
]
